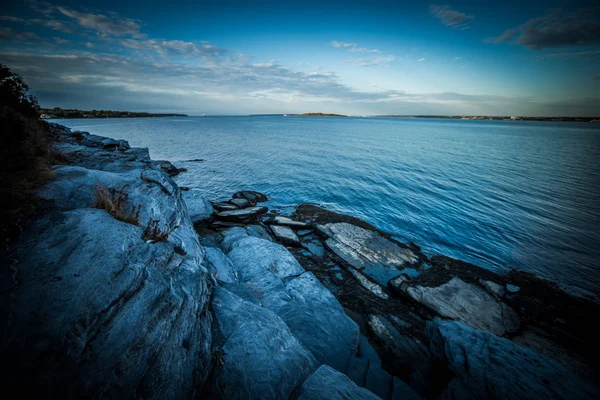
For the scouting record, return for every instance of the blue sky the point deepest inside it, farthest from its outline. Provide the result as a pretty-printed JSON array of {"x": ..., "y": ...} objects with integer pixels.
[{"x": 359, "y": 58}]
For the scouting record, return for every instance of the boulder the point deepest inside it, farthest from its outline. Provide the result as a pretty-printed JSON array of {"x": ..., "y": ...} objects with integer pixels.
[
  {"x": 403, "y": 392},
  {"x": 257, "y": 355},
  {"x": 281, "y": 285},
  {"x": 221, "y": 265},
  {"x": 378, "y": 381},
  {"x": 467, "y": 303},
  {"x": 493, "y": 287},
  {"x": 252, "y": 196},
  {"x": 198, "y": 207},
  {"x": 285, "y": 235},
  {"x": 490, "y": 367},
  {"x": 328, "y": 384},
  {"x": 100, "y": 312},
  {"x": 170, "y": 169},
  {"x": 357, "y": 370},
  {"x": 244, "y": 215}
]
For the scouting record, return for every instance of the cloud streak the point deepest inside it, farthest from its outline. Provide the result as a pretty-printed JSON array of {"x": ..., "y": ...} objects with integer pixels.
[
  {"x": 555, "y": 29},
  {"x": 451, "y": 17}
]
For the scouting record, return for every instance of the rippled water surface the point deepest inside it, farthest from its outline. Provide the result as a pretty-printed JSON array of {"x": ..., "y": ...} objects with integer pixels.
[{"x": 499, "y": 194}]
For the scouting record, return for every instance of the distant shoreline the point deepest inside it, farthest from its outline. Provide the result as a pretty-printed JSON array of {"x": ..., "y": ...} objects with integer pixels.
[{"x": 60, "y": 113}]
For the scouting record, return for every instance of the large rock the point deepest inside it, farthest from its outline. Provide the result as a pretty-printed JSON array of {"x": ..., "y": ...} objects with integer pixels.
[
  {"x": 100, "y": 312},
  {"x": 328, "y": 384},
  {"x": 198, "y": 207},
  {"x": 102, "y": 307},
  {"x": 281, "y": 220},
  {"x": 221, "y": 265},
  {"x": 467, "y": 303},
  {"x": 489, "y": 367},
  {"x": 363, "y": 248},
  {"x": 258, "y": 356},
  {"x": 313, "y": 314}
]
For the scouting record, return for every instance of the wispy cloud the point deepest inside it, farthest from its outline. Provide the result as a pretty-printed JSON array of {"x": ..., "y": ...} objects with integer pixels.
[
  {"x": 421, "y": 59},
  {"x": 353, "y": 47},
  {"x": 103, "y": 24},
  {"x": 574, "y": 54},
  {"x": 52, "y": 24},
  {"x": 370, "y": 61},
  {"x": 451, "y": 17},
  {"x": 555, "y": 29},
  {"x": 8, "y": 34},
  {"x": 172, "y": 47}
]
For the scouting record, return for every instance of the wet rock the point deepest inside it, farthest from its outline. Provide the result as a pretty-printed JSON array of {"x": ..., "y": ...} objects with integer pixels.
[
  {"x": 243, "y": 215},
  {"x": 224, "y": 206},
  {"x": 467, "y": 303},
  {"x": 487, "y": 366},
  {"x": 367, "y": 284},
  {"x": 285, "y": 235},
  {"x": 327, "y": 383},
  {"x": 252, "y": 196},
  {"x": 280, "y": 220},
  {"x": 221, "y": 265},
  {"x": 240, "y": 203},
  {"x": 362, "y": 248},
  {"x": 259, "y": 357},
  {"x": 314, "y": 246},
  {"x": 198, "y": 207},
  {"x": 170, "y": 169},
  {"x": 493, "y": 287},
  {"x": 412, "y": 357},
  {"x": 225, "y": 224},
  {"x": 304, "y": 232}
]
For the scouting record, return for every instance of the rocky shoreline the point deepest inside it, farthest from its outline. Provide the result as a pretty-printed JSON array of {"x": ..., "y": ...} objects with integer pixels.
[{"x": 157, "y": 292}]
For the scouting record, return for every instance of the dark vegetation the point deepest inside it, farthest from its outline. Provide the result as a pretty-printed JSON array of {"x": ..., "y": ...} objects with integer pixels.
[
  {"x": 57, "y": 112},
  {"x": 25, "y": 153},
  {"x": 115, "y": 202},
  {"x": 154, "y": 233}
]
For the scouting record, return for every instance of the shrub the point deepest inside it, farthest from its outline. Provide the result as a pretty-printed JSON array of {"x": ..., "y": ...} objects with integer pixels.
[
  {"x": 25, "y": 155},
  {"x": 154, "y": 233},
  {"x": 116, "y": 204}
]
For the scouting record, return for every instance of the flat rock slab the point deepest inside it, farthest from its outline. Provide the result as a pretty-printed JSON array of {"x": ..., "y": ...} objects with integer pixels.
[
  {"x": 363, "y": 248},
  {"x": 367, "y": 284},
  {"x": 285, "y": 235},
  {"x": 327, "y": 383},
  {"x": 242, "y": 215},
  {"x": 240, "y": 203},
  {"x": 224, "y": 206},
  {"x": 252, "y": 196},
  {"x": 467, "y": 303},
  {"x": 280, "y": 220},
  {"x": 490, "y": 367}
]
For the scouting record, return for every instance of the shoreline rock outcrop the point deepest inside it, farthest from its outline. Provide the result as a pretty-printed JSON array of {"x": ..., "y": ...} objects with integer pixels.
[{"x": 127, "y": 286}]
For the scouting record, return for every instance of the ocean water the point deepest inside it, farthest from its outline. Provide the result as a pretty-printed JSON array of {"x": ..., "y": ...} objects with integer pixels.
[{"x": 499, "y": 194}]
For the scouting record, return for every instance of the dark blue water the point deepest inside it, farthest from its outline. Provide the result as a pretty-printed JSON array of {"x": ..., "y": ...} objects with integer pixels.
[{"x": 499, "y": 194}]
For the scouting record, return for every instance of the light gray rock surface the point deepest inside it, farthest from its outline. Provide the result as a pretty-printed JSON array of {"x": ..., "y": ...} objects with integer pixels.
[
  {"x": 490, "y": 367},
  {"x": 328, "y": 384},
  {"x": 258, "y": 356},
  {"x": 99, "y": 311},
  {"x": 493, "y": 287},
  {"x": 281, "y": 285},
  {"x": 362, "y": 248},
  {"x": 198, "y": 207},
  {"x": 467, "y": 303},
  {"x": 242, "y": 215},
  {"x": 367, "y": 284},
  {"x": 221, "y": 265},
  {"x": 285, "y": 235},
  {"x": 281, "y": 220}
]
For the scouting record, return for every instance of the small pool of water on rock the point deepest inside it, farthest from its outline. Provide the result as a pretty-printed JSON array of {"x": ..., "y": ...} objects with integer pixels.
[{"x": 499, "y": 194}]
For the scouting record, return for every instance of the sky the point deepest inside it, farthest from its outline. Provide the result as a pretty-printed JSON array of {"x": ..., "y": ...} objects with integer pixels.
[{"x": 229, "y": 57}]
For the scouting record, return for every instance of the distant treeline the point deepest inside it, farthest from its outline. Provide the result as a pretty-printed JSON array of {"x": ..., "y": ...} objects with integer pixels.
[
  {"x": 58, "y": 112},
  {"x": 321, "y": 115}
]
